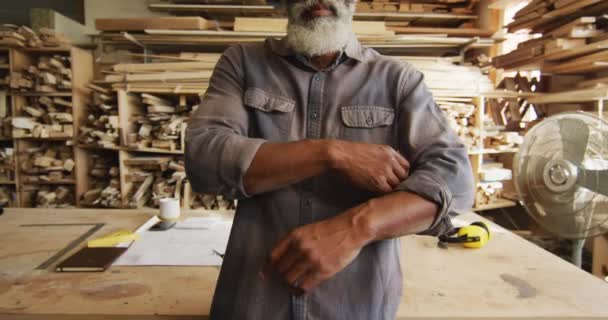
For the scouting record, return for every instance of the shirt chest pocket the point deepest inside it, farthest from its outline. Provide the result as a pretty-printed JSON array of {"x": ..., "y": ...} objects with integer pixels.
[
  {"x": 367, "y": 124},
  {"x": 272, "y": 113}
]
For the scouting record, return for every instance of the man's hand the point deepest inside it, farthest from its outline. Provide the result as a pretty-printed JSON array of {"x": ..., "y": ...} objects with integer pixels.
[
  {"x": 373, "y": 167},
  {"x": 313, "y": 253}
]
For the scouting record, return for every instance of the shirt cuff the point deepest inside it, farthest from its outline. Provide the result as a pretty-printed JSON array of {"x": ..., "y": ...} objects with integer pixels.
[
  {"x": 434, "y": 189},
  {"x": 237, "y": 155}
]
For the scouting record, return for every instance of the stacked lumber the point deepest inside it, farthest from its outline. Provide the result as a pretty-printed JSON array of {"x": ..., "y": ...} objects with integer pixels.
[
  {"x": 6, "y": 196},
  {"x": 140, "y": 24},
  {"x": 445, "y": 78},
  {"x": 46, "y": 117},
  {"x": 460, "y": 116},
  {"x": 7, "y": 164},
  {"x": 573, "y": 37},
  {"x": 51, "y": 74},
  {"x": 422, "y": 6},
  {"x": 279, "y": 25},
  {"x": 154, "y": 178},
  {"x": 22, "y": 36},
  {"x": 43, "y": 196},
  {"x": 161, "y": 126},
  {"x": 101, "y": 127},
  {"x": 48, "y": 162},
  {"x": 104, "y": 185},
  {"x": 164, "y": 77}
]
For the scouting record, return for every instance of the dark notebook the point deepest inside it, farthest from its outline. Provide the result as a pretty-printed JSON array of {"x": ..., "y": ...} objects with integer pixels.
[{"x": 91, "y": 259}]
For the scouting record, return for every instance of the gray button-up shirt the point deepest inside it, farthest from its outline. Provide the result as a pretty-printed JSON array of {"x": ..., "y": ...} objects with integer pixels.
[{"x": 264, "y": 93}]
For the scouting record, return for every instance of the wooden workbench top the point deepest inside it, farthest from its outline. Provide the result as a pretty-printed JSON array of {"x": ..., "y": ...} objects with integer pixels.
[{"x": 510, "y": 277}]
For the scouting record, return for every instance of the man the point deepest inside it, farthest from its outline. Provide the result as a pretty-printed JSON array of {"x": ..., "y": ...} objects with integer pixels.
[{"x": 334, "y": 152}]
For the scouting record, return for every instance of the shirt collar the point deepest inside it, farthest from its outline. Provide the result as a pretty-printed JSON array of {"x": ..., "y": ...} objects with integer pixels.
[{"x": 352, "y": 50}]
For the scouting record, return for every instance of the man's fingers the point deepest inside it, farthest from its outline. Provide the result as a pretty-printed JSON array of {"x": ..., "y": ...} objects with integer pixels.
[
  {"x": 392, "y": 180},
  {"x": 384, "y": 186},
  {"x": 286, "y": 261},
  {"x": 402, "y": 161},
  {"x": 297, "y": 270},
  {"x": 279, "y": 249},
  {"x": 310, "y": 281},
  {"x": 399, "y": 171}
]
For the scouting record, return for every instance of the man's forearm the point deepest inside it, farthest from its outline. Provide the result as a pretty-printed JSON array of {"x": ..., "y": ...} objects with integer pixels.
[
  {"x": 374, "y": 167},
  {"x": 277, "y": 165},
  {"x": 393, "y": 215}
]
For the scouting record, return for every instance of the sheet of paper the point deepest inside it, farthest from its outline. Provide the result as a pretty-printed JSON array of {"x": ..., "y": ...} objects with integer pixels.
[{"x": 192, "y": 242}]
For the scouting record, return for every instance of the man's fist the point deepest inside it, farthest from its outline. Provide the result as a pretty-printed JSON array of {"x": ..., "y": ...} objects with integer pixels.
[{"x": 373, "y": 167}]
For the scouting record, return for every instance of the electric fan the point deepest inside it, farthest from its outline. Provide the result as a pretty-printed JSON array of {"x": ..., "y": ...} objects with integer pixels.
[{"x": 561, "y": 176}]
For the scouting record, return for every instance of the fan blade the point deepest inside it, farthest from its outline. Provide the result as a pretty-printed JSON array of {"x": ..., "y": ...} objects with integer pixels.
[
  {"x": 575, "y": 135},
  {"x": 594, "y": 180}
]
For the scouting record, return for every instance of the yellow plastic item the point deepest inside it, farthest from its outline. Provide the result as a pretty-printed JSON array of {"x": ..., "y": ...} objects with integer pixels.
[
  {"x": 475, "y": 235},
  {"x": 475, "y": 230},
  {"x": 112, "y": 239}
]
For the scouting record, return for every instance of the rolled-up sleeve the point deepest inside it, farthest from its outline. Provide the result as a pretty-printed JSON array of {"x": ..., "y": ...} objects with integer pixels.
[
  {"x": 440, "y": 168},
  {"x": 218, "y": 149}
]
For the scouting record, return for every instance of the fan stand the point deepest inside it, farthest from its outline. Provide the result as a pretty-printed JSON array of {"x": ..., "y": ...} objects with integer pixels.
[{"x": 579, "y": 244}]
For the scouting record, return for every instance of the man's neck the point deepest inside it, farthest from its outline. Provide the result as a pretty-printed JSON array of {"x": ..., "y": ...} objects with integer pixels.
[{"x": 323, "y": 61}]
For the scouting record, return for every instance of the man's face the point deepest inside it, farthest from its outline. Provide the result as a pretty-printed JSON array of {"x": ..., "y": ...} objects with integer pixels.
[{"x": 319, "y": 26}]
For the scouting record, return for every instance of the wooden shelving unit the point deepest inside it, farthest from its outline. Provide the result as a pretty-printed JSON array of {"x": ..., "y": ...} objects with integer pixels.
[
  {"x": 478, "y": 155},
  {"x": 81, "y": 66}
]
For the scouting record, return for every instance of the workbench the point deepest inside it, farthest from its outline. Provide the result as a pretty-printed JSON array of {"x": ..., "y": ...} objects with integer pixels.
[{"x": 509, "y": 277}]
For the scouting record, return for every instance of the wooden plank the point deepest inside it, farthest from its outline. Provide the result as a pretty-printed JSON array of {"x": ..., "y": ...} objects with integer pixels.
[
  {"x": 583, "y": 95},
  {"x": 279, "y": 25},
  {"x": 459, "y": 32},
  {"x": 138, "y": 24}
]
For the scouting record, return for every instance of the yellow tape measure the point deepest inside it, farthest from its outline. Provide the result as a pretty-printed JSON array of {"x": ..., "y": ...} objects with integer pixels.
[{"x": 475, "y": 235}]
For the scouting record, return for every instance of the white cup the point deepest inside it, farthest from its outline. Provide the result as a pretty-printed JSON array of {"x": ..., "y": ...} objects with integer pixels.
[{"x": 169, "y": 209}]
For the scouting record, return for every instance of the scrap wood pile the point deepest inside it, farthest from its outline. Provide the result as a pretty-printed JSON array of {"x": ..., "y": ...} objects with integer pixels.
[
  {"x": 51, "y": 74},
  {"x": 7, "y": 164},
  {"x": 212, "y": 202},
  {"x": 490, "y": 188},
  {"x": 22, "y": 36},
  {"x": 461, "y": 116},
  {"x": 104, "y": 185},
  {"x": 47, "y": 162},
  {"x": 161, "y": 124},
  {"x": 154, "y": 178},
  {"x": 4, "y": 70},
  {"x": 43, "y": 196},
  {"x": 573, "y": 37},
  {"x": 44, "y": 117},
  {"x": 7, "y": 196},
  {"x": 101, "y": 127}
]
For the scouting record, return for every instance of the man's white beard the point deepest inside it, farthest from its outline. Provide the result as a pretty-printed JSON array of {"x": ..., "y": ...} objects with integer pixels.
[{"x": 322, "y": 34}]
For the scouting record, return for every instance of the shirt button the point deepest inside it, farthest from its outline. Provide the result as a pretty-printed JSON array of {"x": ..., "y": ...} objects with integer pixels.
[
  {"x": 314, "y": 116},
  {"x": 316, "y": 77}
]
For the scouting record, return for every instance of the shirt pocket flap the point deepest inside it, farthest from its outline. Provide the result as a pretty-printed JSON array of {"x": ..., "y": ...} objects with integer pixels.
[
  {"x": 367, "y": 116},
  {"x": 267, "y": 102}
]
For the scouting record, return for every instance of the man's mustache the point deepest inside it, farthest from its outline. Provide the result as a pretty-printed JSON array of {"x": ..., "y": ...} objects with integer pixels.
[{"x": 311, "y": 4}]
